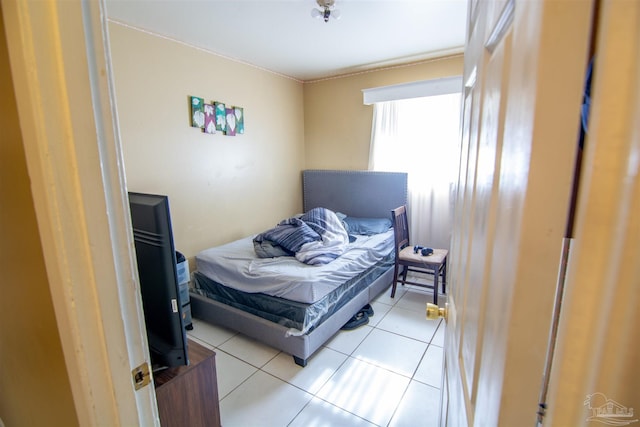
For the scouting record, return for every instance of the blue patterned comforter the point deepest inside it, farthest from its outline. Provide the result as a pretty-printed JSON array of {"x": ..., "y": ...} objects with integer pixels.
[{"x": 315, "y": 238}]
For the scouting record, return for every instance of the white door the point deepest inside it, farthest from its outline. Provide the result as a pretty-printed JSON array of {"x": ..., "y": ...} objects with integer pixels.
[{"x": 524, "y": 70}]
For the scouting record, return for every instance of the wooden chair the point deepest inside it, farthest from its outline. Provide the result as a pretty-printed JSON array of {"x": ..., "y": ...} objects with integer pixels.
[{"x": 408, "y": 260}]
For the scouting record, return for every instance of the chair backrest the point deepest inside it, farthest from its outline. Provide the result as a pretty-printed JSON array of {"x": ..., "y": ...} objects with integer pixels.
[{"x": 400, "y": 227}]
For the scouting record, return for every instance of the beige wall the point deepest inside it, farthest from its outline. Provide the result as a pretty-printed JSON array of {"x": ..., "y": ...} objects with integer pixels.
[
  {"x": 34, "y": 384},
  {"x": 220, "y": 187},
  {"x": 337, "y": 123}
]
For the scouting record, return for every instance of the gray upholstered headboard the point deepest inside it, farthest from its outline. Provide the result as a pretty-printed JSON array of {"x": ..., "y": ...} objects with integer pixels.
[{"x": 360, "y": 194}]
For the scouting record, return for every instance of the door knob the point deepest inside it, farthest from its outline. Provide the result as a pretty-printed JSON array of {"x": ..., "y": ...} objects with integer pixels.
[{"x": 434, "y": 312}]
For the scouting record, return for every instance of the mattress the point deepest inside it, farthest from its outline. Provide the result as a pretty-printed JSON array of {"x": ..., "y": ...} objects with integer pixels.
[
  {"x": 236, "y": 266},
  {"x": 299, "y": 317}
]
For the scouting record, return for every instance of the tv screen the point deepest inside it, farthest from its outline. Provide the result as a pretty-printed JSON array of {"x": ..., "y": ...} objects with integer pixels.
[{"x": 157, "y": 270}]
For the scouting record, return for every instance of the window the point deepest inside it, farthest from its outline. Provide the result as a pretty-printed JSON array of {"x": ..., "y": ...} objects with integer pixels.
[{"x": 421, "y": 136}]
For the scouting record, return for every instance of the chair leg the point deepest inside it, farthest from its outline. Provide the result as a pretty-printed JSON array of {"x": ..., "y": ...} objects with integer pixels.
[
  {"x": 444, "y": 277},
  {"x": 395, "y": 280},
  {"x": 436, "y": 273}
]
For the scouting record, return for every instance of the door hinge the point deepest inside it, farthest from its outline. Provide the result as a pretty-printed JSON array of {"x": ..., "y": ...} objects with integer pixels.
[
  {"x": 141, "y": 375},
  {"x": 542, "y": 410}
]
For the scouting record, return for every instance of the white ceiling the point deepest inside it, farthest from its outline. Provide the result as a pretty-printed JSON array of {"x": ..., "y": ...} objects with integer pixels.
[{"x": 282, "y": 37}]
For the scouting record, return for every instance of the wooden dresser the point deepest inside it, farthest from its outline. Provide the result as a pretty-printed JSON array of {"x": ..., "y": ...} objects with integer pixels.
[{"x": 188, "y": 395}]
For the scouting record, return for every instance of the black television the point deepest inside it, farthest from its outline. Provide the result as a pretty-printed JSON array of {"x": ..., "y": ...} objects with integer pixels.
[{"x": 157, "y": 270}]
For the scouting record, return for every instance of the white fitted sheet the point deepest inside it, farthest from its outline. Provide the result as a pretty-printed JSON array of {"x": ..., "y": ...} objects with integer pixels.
[{"x": 235, "y": 265}]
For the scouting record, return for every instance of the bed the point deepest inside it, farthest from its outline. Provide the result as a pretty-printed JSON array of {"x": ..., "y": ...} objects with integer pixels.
[{"x": 300, "y": 314}]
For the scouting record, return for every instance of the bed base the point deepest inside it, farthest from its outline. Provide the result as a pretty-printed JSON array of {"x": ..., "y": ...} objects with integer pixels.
[
  {"x": 273, "y": 334},
  {"x": 364, "y": 194}
]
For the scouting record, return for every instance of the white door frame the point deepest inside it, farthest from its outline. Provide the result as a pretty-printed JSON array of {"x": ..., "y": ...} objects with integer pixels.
[{"x": 60, "y": 65}]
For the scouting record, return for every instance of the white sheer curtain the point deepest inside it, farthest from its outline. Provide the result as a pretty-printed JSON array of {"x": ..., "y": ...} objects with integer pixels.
[{"x": 420, "y": 136}]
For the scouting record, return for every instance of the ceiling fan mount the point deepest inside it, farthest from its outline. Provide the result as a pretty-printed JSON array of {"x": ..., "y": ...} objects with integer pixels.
[
  {"x": 326, "y": 3},
  {"x": 326, "y": 10}
]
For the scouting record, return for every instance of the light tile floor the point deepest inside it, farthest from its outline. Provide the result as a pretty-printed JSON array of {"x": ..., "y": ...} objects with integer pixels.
[{"x": 387, "y": 373}]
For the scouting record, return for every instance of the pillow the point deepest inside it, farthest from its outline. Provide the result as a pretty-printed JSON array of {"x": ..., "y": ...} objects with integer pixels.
[{"x": 366, "y": 226}]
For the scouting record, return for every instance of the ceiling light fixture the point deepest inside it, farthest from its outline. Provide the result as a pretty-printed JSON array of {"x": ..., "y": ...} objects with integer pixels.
[{"x": 326, "y": 11}]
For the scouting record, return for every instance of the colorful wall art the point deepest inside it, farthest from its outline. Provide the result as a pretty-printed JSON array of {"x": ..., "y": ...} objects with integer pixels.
[
  {"x": 221, "y": 120},
  {"x": 209, "y": 118},
  {"x": 197, "y": 112},
  {"x": 216, "y": 117},
  {"x": 239, "y": 113},
  {"x": 231, "y": 121}
]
